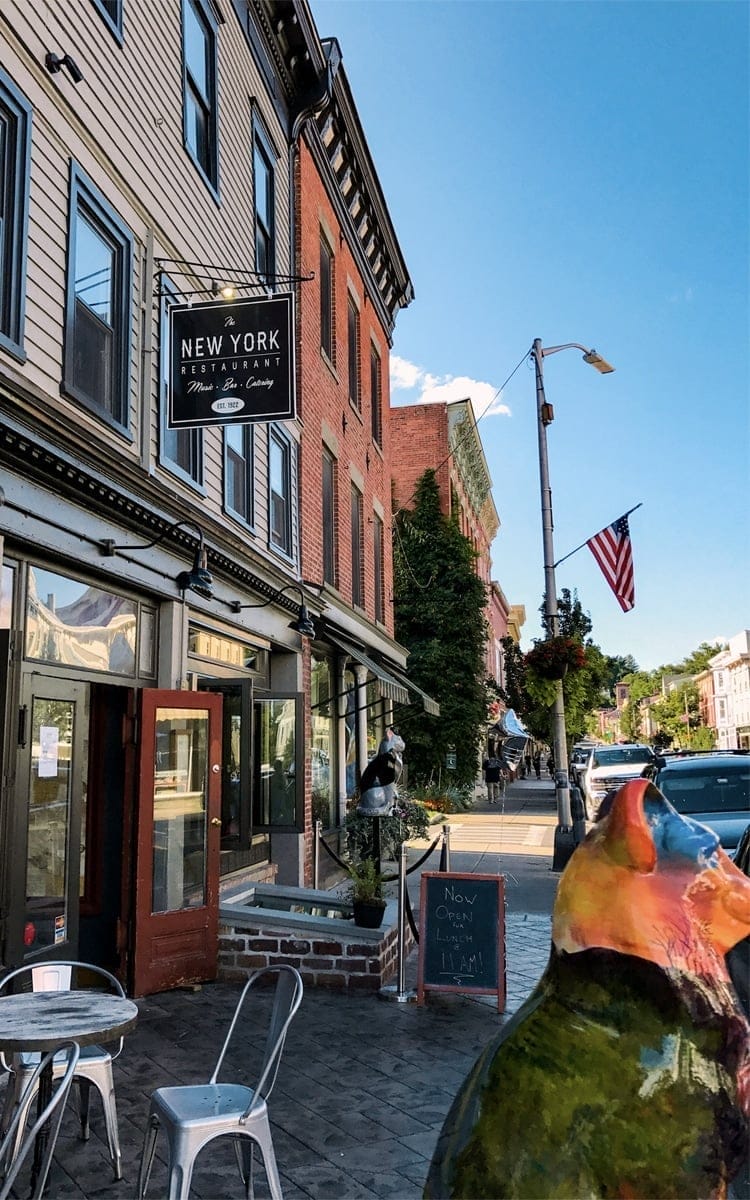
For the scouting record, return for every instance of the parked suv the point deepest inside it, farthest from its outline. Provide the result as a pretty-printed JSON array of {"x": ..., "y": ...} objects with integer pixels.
[
  {"x": 711, "y": 786},
  {"x": 610, "y": 767}
]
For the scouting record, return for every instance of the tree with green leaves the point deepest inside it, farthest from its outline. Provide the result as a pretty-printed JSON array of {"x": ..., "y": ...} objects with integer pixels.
[{"x": 439, "y": 608}]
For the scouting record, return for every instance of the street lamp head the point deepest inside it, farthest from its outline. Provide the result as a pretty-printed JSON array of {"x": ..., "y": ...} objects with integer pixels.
[{"x": 595, "y": 360}]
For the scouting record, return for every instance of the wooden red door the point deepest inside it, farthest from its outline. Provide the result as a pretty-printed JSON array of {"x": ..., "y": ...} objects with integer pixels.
[{"x": 177, "y": 840}]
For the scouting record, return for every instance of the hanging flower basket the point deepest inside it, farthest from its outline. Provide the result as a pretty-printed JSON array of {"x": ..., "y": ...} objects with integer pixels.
[{"x": 553, "y": 658}]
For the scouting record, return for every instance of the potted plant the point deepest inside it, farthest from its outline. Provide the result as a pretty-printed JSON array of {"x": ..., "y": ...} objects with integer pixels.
[{"x": 365, "y": 895}]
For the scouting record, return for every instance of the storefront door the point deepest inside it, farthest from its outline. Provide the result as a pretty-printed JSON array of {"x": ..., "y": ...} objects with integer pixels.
[
  {"x": 178, "y": 840},
  {"x": 47, "y": 869}
]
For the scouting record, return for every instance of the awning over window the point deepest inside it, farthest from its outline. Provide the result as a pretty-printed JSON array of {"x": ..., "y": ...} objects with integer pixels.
[
  {"x": 428, "y": 704},
  {"x": 388, "y": 687}
]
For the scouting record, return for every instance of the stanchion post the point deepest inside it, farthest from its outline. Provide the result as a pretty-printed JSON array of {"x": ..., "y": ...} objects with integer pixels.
[
  {"x": 445, "y": 854},
  {"x": 399, "y": 992},
  {"x": 317, "y": 830}
]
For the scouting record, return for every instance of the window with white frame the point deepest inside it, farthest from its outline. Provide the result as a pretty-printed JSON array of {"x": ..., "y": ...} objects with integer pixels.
[
  {"x": 199, "y": 74},
  {"x": 15, "y": 150},
  {"x": 96, "y": 358}
]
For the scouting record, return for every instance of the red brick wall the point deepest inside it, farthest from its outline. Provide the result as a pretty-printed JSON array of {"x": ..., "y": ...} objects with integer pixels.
[{"x": 323, "y": 396}]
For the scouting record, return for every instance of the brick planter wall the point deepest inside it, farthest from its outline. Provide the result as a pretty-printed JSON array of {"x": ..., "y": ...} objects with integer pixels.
[{"x": 343, "y": 957}]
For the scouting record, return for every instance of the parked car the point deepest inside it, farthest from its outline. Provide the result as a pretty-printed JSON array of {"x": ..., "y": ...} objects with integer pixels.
[
  {"x": 608, "y": 768},
  {"x": 579, "y": 756},
  {"x": 711, "y": 786}
]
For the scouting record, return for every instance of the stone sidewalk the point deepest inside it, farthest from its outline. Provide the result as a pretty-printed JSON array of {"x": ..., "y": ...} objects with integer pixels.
[{"x": 362, "y": 1091}]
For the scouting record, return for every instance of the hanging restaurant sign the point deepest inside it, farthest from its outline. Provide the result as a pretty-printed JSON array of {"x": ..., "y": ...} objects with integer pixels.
[{"x": 231, "y": 363}]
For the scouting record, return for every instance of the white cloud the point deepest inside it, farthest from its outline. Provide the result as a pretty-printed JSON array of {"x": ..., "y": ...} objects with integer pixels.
[{"x": 437, "y": 389}]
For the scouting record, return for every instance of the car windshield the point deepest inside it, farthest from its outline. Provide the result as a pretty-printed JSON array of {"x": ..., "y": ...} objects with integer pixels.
[
  {"x": 621, "y": 754},
  {"x": 697, "y": 792}
]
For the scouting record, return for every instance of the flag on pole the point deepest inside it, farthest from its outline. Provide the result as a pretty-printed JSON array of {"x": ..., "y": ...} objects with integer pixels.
[{"x": 612, "y": 550}]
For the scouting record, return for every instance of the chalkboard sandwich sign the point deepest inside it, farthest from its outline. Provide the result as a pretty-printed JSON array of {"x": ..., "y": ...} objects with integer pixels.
[{"x": 462, "y": 934}]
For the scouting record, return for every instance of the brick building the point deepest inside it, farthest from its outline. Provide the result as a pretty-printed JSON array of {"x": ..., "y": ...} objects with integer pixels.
[{"x": 155, "y": 656}]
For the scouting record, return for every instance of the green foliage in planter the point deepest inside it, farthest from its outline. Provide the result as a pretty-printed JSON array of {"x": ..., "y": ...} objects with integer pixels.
[
  {"x": 443, "y": 798},
  {"x": 366, "y": 883},
  {"x": 439, "y": 610},
  {"x": 409, "y": 820}
]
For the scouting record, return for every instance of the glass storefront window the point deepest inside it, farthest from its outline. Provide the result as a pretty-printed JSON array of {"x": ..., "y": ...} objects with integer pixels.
[
  {"x": 375, "y": 719},
  {"x": 78, "y": 625},
  {"x": 322, "y": 749},
  {"x": 7, "y": 580},
  {"x": 350, "y": 720},
  {"x": 275, "y": 801}
]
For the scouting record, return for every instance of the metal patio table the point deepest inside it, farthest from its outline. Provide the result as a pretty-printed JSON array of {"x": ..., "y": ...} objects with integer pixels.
[{"x": 39, "y": 1021}]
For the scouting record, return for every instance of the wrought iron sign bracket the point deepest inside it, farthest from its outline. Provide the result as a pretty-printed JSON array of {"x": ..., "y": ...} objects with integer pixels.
[{"x": 224, "y": 282}]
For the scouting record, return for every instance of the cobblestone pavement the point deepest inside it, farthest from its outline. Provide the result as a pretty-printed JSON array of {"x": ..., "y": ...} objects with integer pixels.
[{"x": 362, "y": 1091}]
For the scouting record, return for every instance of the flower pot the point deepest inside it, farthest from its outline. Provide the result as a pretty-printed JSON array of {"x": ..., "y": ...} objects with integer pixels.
[{"x": 368, "y": 914}]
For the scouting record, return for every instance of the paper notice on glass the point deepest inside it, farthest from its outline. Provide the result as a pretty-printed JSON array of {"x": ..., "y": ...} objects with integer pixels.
[{"x": 49, "y": 751}]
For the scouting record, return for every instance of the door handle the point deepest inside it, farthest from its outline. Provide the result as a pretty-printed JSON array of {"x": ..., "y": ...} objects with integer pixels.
[{"x": 215, "y": 821}]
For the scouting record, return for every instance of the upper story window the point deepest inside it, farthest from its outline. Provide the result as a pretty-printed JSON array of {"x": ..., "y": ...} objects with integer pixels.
[
  {"x": 96, "y": 358},
  {"x": 358, "y": 581},
  {"x": 352, "y": 325},
  {"x": 238, "y": 471},
  {"x": 180, "y": 450},
  {"x": 326, "y": 300},
  {"x": 280, "y": 491},
  {"x": 15, "y": 150},
  {"x": 378, "y": 567},
  {"x": 199, "y": 86},
  {"x": 263, "y": 188},
  {"x": 111, "y": 11},
  {"x": 328, "y": 524},
  {"x": 376, "y": 403}
]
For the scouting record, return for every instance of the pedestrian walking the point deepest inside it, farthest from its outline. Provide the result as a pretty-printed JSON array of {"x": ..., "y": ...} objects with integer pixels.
[
  {"x": 527, "y": 761},
  {"x": 551, "y": 765},
  {"x": 493, "y": 775},
  {"x": 537, "y": 760}
]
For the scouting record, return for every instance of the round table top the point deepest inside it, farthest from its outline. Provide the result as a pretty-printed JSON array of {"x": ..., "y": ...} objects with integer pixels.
[{"x": 42, "y": 1020}]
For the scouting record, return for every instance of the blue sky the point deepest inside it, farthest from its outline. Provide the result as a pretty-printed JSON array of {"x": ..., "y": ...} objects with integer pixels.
[{"x": 578, "y": 172}]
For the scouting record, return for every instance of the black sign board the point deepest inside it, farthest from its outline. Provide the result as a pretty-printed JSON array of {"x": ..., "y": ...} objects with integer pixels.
[
  {"x": 462, "y": 934},
  {"x": 231, "y": 363}
]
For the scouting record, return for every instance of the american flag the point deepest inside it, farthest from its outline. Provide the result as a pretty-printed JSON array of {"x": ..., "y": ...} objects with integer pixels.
[{"x": 612, "y": 550}]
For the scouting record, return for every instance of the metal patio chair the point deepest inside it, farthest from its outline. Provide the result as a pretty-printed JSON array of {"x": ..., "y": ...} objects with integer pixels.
[
  {"x": 194, "y": 1115},
  {"x": 15, "y": 1147},
  {"x": 94, "y": 1064}
]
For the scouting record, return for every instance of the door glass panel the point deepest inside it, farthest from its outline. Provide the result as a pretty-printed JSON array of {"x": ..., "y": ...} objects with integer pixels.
[
  {"x": 180, "y": 804},
  {"x": 276, "y": 787},
  {"x": 231, "y": 793},
  {"x": 50, "y": 791}
]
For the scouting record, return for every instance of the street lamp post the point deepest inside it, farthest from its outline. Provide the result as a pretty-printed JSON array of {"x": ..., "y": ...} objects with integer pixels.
[{"x": 564, "y": 843}]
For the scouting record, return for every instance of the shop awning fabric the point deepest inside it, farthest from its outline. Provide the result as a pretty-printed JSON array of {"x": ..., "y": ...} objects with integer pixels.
[
  {"x": 388, "y": 687},
  {"x": 428, "y": 704}
]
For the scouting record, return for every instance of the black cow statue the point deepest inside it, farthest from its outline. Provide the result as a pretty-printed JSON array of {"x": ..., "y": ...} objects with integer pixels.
[{"x": 377, "y": 788}]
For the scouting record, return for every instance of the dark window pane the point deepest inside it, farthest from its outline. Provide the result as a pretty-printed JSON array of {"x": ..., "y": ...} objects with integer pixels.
[
  {"x": 196, "y": 49},
  {"x": 326, "y": 298},
  {"x": 353, "y": 339},
  {"x": 180, "y": 448},
  {"x": 239, "y": 470},
  {"x": 280, "y": 487},
  {"x": 196, "y": 130},
  {"x": 378, "y": 567},
  {"x": 94, "y": 270},
  {"x": 329, "y": 518},
  {"x": 15, "y": 136},
  {"x": 357, "y": 581},
  {"x": 264, "y": 202},
  {"x": 375, "y": 397}
]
